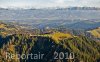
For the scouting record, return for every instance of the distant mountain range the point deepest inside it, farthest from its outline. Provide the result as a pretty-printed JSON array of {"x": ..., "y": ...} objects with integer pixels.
[
  {"x": 71, "y": 17},
  {"x": 57, "y": 8},
  {"x": 87, "y": 25},
  {"x": 80, "y": 8},
  {"x": 48, "y": 14}
]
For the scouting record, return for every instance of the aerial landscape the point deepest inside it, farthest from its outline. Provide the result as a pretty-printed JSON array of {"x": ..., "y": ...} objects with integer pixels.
[{"x": 49, "y": 31}]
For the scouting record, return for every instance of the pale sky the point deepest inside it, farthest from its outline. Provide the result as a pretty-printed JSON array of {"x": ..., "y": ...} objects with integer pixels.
[{"x": 48, "y": 3}]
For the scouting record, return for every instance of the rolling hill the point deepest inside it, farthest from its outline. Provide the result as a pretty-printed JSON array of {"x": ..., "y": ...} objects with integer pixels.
[{"x": 86, "y": 25}]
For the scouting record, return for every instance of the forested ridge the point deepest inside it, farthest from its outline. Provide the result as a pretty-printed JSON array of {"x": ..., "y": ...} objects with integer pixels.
[{"x": 85, "y": 49}]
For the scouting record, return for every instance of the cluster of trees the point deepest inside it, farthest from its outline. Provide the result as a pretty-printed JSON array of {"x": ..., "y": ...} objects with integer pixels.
[{"x": 15, "y": 44}]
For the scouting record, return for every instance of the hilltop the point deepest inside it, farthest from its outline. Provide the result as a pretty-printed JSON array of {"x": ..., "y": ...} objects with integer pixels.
[
  {"x": 10, "y": 28},
  {"x": 95, "y": 32},
  {"x": 7, "y": 28}
]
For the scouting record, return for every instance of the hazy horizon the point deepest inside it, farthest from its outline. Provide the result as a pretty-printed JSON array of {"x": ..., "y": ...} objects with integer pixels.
[{"x": 48, "y": 3}]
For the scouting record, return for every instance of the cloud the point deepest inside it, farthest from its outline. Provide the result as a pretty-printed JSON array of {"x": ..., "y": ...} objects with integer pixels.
[
  {"x": 49, "y": 3},
  {"x": 60, "y": 1}
]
